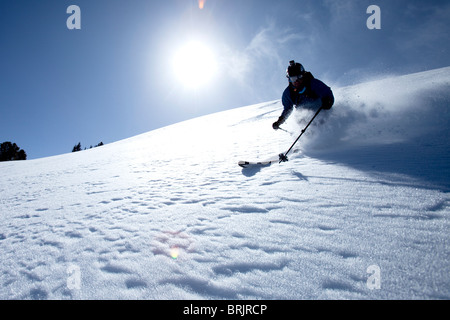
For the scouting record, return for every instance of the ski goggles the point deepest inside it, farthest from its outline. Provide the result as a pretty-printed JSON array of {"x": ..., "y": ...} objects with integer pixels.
[{"x": 295, "y": 78}]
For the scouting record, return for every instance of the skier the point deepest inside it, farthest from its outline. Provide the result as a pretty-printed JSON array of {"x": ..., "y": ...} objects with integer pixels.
[{"x": 303, "y": 91}]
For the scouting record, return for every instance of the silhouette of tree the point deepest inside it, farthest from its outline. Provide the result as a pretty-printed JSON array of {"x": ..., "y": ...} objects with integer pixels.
[
  {"x": 10, "y": 151},
  {"x": 77, "y": 147}
]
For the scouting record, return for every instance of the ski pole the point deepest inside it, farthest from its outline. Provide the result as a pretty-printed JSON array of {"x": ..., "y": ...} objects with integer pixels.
[
  {"x": 283, "y": 157},
  {"x": 279, "y": 128}
]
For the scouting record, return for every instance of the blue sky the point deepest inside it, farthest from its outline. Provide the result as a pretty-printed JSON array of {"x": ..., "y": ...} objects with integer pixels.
[{"x": 115, "y": 77}]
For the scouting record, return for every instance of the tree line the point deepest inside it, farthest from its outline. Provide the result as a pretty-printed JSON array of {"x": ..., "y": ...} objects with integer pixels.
[
  {"x": 10, "y": 151},
  {"x": 77, "y": 147}
]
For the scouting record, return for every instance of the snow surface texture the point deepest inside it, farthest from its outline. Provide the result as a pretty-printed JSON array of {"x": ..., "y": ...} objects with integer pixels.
[{"x": 361, "y": 210}]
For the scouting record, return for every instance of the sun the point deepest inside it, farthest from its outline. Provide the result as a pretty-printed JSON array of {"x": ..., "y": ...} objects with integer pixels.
[{"x": 194, "y": 64}]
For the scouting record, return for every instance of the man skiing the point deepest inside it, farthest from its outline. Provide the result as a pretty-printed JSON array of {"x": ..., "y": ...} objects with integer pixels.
[{"x": 303, "y": 91}]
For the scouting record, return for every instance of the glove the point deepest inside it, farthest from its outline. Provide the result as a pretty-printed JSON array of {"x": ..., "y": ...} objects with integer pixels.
[
  {"x": 276, "y": 125},
  {"x": 327, "y": 103}
]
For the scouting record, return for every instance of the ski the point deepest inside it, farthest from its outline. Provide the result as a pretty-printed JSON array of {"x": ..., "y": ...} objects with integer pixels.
[
  {"x": 246, "y": 164},
  {"x": 281, "y": 158}
]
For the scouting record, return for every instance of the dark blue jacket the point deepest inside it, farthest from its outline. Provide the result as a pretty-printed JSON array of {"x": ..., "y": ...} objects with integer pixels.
[{"x": 315, "y": 94}]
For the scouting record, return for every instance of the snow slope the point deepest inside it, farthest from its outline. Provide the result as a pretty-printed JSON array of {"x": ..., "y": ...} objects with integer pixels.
[{"x": 360, "y": 212}]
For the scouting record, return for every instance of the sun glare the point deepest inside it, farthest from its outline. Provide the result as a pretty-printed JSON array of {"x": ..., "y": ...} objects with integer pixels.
[{"x": 194, "y": 64}]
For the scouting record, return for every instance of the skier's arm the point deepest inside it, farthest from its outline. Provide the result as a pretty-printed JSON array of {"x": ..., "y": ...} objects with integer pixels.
[
  {"x": 288, "y": 106},
  {"x": 324, "y": 92}
]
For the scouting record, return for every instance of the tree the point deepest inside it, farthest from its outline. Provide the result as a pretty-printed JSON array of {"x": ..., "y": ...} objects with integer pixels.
[
  {"x": 10, "y": 151},
  {"x": 77, "y": 147}
]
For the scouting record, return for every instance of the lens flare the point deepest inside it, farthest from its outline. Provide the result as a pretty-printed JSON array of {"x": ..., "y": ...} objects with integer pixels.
[
  {"x": 174, "y": 252},
  {"x": 174, "y": 244},
  {"x": 201, "y": 3}
]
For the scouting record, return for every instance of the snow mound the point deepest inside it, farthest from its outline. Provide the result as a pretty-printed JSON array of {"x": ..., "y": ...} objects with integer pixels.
[{"x": 399, "y": 124}]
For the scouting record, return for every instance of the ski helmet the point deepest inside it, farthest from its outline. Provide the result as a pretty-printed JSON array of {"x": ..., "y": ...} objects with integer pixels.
[{"x": 294, "y": 69}]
